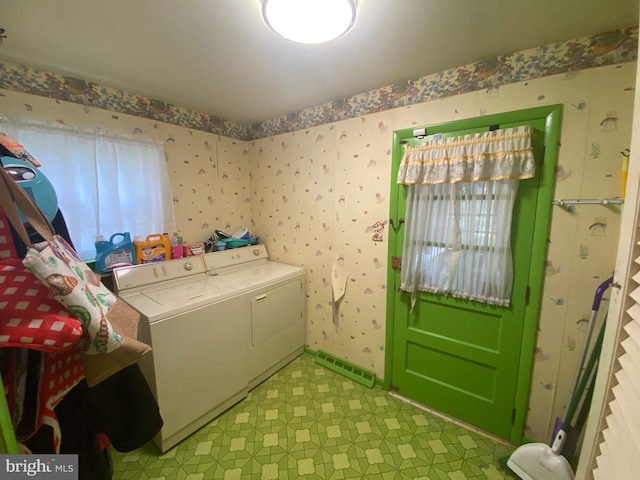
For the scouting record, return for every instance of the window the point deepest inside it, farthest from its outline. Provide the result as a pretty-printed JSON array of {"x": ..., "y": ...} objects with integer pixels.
[
  {"x": 105, "y": 183},
  {"x": 460, "y": 196},
  {"x": 457, "y": 239}
]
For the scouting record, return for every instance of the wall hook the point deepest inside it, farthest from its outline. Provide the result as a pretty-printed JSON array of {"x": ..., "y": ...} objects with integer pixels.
[{"x": 396, "y": 228}]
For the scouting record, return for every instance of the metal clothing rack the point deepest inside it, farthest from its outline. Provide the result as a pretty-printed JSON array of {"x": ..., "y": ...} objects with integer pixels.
[{"x": 568, "y": 202}]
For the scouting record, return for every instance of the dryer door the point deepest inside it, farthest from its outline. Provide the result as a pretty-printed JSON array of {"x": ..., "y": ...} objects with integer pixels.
[
  {"x": 274, "y": 311},
  {"x": 277, "y": 328}
]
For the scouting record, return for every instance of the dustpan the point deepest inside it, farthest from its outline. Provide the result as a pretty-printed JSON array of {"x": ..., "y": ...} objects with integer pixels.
[{"x": 539, "y": 461}]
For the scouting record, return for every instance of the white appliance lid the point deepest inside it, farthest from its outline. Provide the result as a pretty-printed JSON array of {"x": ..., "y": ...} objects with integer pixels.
[
  {"x": 181, "y": 293},
  {"x": 255, "y": 275},
  {"x": 176, "y": 297}
]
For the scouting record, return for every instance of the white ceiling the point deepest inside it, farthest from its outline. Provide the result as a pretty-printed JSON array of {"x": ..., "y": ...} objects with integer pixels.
[{"x": 218, "y": 56}]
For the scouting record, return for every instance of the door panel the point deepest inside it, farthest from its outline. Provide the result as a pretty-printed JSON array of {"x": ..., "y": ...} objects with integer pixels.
[{"x": 463, "y": 357}]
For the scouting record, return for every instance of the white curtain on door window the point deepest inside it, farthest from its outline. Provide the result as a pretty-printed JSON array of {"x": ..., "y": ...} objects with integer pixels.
[
  {"x": 460, "y": 196},
  {"x": 105, "y": 183}
]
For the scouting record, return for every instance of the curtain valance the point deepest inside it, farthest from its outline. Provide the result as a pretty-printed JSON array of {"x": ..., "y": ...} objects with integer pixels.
[{"x": 494, "y": 155}]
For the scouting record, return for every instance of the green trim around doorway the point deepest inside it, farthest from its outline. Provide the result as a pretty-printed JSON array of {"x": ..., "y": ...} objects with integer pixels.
[{"x": 552, "y": 115}]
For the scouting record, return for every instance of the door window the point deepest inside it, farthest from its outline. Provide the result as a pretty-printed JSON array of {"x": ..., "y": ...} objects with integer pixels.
[{"x": 460, "y": 197}]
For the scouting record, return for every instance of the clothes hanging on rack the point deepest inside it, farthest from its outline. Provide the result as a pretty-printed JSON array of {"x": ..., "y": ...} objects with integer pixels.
[
  {"x": 121, "y": 409},
  {"x": 32, "y": 369}
]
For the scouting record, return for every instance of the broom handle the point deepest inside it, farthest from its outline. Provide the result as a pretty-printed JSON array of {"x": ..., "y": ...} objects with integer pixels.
[
  {"x": 595, "y": 355},
  {"x": 587, "y": 338}
]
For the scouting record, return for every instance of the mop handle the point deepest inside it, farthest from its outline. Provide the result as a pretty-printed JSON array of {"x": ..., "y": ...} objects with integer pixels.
[
  {"x": 595, "y": 356},
  {"x": 600, "y": 293},
  {"x": 587, "y": 338}
]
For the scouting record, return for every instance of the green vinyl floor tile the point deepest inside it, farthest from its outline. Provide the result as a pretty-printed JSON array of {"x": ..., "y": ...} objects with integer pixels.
[{"x": 307, "y": 422}]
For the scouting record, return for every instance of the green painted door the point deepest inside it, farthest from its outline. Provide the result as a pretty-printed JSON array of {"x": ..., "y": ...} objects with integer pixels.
[{"x": 464, "y": 358}]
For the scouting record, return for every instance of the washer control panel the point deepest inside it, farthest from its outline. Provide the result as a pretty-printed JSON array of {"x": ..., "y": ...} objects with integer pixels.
[
  {"x": 234, "y": 256},
  {"x": 155, "y": 272}
]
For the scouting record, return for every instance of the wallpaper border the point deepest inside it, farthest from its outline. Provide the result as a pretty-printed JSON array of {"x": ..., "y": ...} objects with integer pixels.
[{"x": 609, "y": 48}]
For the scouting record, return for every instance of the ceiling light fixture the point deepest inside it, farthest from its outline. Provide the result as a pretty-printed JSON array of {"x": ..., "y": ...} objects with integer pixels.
[{"x": 309, "y": 21}]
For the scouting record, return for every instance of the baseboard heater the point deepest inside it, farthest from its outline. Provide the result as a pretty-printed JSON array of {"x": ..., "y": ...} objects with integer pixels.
[{"x": 346, "y": 368}]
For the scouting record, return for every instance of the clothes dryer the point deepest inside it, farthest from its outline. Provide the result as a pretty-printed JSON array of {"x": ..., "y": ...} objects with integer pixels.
[{"x": 275, "y": 300}]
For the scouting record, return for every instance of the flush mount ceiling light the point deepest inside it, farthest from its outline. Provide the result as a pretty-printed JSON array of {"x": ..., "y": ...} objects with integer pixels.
[{"x": 309, "y": 21}]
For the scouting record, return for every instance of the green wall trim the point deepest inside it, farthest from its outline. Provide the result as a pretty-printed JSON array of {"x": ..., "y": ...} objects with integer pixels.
[{"x": 313, "y": 353}]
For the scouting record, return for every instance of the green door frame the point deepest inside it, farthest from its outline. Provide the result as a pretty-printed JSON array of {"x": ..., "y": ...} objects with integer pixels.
[
  {"x": 552, "y": 115},
  {"x": 8, "y": 442}
]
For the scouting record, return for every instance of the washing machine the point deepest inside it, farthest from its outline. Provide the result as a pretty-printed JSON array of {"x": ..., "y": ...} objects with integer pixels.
[
  {"x": 199, "y": 334},
  {"x": 274, "y": 299},
  {"x": 218, "y": 325}
]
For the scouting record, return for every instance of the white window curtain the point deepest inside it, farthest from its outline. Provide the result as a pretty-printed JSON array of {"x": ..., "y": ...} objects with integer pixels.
[
  {"x": 105, "y": 183},
  {"x": 460, "y": 196}
]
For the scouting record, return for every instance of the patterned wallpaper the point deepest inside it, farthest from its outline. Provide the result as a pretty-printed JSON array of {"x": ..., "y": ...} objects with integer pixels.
[
  {"x": 597, "y": 50},
  {"x": 320, "y": 194},
  {"x": 314, "y": 185}
]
